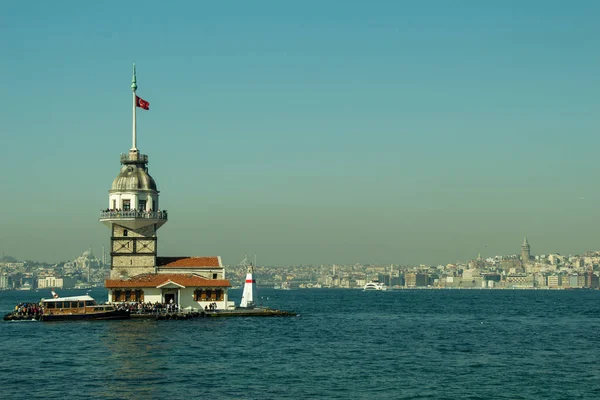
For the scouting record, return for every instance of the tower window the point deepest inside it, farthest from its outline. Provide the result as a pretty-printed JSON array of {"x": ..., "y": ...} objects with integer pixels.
[
  {"x": 114, "y": 207},
  {"x": 142, "y": 205},
  {"x": 125, "y": 232},
  {"x": 126, "y": 205}
]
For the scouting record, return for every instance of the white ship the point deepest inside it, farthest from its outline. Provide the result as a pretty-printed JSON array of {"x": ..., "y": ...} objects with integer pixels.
[{"x": 375, "y": 285}]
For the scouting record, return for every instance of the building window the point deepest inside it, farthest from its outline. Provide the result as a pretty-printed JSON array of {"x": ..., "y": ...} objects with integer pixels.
[
  {"x": 142, "y": 205},
  {"x": 116, "y": 295},
  {"x": 125, "y": 233},
  {"x": 126, "y": 205},
  {"x": 214, "y": 276},
  {"x": 114, "y": 207}
]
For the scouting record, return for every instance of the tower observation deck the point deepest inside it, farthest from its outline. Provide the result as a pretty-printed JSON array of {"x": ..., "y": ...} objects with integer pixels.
[{"x": 133, "y": 196}]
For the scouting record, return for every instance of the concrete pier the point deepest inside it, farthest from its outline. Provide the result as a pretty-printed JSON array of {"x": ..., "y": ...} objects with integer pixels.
[{"x": 238, "y": 312}]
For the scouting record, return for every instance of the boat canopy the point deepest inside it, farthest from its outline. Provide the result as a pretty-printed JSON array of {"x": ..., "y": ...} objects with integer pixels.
[{"x": 72, "y": 298}]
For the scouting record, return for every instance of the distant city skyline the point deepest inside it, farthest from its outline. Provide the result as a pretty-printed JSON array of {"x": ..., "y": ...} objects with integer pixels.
[
  {"x": 99, "y": 255},
  {"x": 306, "y": 133}
]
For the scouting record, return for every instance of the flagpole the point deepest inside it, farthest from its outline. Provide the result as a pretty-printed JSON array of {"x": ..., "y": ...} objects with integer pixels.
[{"x": 134, "y": 88}]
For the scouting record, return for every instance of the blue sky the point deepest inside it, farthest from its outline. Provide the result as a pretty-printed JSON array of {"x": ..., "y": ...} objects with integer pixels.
[{"x": 306, "y": 132}]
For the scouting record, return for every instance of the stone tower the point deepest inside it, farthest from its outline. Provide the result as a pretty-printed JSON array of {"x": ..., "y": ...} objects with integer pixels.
[
  {"x": 525, "y": 252},
  {"x": 133, "y": 214}
]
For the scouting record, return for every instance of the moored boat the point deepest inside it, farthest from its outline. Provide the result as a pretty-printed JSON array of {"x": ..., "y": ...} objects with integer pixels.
[
  {"x": 66, "y": 309},
  {"x": 79, "y": 308},
  {"x": 375, "y": 285}
]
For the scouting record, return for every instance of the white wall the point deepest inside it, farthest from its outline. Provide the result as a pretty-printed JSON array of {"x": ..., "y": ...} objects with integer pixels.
[
  {"x": 186, "y": 298},
  {"x": 50, "y": 282}
]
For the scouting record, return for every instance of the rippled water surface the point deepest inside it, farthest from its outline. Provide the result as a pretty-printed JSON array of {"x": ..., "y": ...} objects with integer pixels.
[{"x": 407, "y": 344}]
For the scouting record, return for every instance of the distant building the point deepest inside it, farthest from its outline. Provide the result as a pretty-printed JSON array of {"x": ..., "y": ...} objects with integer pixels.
[
  {"x": 519, "y": 281},
  {"x": 593, "y": 281},
  {"x": 555, "y": 259},
  {"x": 52, "y": 282},
  {"x": 525, "y": 252},
  {"x": 471, "y": 273},
  {"x": 577, "y": 281},
  {"x": 506, "y": 265},
  {"x": 574, "y": 281},
  {"x": 415, "y": 280},
  {"x": 13, "y": 265},
  {"x": 554, "y": 281},
  {"x": 492, "y": 276},
  {"x": 4, "y": 282}
]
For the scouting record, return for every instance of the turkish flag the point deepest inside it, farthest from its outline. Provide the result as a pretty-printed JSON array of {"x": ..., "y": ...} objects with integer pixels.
[{"x": 141, "y": 103}]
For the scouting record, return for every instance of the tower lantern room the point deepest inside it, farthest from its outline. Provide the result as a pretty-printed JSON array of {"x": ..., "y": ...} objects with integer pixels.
[
  {"x": 133, "y": 212},
  {"x": 134, "y": 188}
]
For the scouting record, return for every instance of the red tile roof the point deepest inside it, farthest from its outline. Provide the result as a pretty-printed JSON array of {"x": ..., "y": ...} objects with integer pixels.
[
  {"x": 188, "y": 262},
  {"x": 154, "y": 280}
]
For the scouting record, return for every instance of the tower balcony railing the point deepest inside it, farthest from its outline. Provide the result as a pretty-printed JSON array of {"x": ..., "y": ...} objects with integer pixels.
[
  {"x": 133, "y": 158},
  {"x": 129, "y": 214}
]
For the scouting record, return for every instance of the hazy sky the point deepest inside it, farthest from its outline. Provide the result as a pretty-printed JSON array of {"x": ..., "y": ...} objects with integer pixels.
[{"x": 308, "y": 131}]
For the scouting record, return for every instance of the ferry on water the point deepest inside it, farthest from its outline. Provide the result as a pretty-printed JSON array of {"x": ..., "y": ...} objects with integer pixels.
[
  {"x": 375, "y": 285},
  {"x": 77, "y": 308},
  {"x": 66, "y": 309}
]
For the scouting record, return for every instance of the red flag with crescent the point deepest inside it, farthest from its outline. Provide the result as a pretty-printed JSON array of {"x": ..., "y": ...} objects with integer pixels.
[{"x": 141, "y": 103}]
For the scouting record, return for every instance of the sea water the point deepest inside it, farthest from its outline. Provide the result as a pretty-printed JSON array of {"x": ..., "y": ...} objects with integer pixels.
[{"x": 397, "y": 344}]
